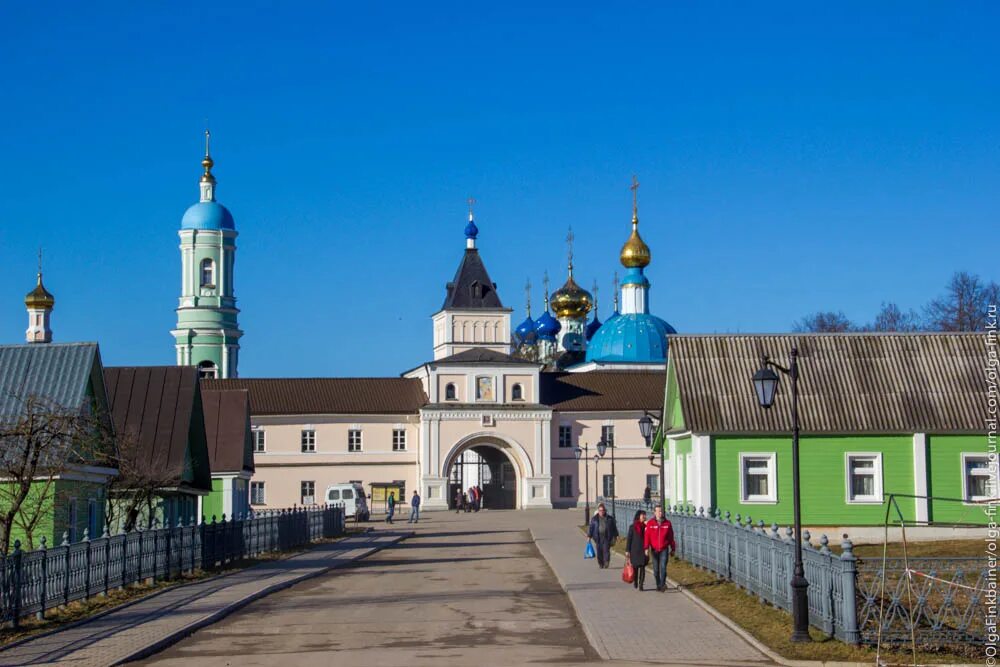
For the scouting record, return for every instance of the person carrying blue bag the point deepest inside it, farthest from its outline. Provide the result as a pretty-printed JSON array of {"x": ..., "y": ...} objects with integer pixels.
[
  {"x": 603, "y": 531},
  {"x": 589, "y": 552}
]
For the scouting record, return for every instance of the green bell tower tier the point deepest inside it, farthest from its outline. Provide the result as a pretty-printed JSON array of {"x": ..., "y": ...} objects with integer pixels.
[{"x": 207, "y": 333}]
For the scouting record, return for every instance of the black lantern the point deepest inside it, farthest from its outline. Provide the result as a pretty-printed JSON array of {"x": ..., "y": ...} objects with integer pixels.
[
  {"x": 646, "y": 428},
  {"x": 577, "y": 452},
  {"x": 765, "y": 384},
  {"x": 602, "y": 447}
]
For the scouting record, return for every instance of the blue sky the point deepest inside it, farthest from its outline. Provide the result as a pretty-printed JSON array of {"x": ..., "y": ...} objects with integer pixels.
[{"x": 792, "y": 158}]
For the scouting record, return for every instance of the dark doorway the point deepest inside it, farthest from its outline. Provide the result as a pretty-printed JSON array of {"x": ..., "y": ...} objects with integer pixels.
[{"x": 497, "y": 475}]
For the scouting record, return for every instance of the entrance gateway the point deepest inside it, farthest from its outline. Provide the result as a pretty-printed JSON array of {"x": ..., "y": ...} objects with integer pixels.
[{"x": 489, "y": 468}]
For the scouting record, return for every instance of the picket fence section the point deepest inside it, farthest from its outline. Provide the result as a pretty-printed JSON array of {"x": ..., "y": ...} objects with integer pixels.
[{"x": 32, "y": 582}]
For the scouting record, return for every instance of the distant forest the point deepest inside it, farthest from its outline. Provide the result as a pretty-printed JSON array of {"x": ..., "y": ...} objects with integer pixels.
[{"x": 962, "y": 307}]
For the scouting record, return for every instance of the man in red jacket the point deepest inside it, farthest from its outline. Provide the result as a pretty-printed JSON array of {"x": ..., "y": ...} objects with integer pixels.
[{"x": 659, "y": 538}]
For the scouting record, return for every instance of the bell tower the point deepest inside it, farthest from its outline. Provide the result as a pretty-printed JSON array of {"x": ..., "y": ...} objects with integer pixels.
[{"x": 207, "y": 333}]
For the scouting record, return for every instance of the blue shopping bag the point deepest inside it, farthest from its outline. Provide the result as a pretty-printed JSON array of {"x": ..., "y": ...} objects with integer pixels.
[{"x": 589, "y": 551}]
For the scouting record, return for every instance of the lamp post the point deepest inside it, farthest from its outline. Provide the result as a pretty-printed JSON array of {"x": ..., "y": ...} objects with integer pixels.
[
  {"x": 578, "y": 452},
  {"x": 596, "y": 459},
  {"x": 765, "y": 384},
  {"x": 646, "y": 429}
]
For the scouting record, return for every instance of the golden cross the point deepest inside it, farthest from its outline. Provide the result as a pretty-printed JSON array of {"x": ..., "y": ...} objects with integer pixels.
[
  {"x": 208, "y": 139},
  {"x": 569, "y": 245},
  {"x": 527, "y": 294},
  {"x": 635, "y": 194},
  {"x": 39, "y": 260},
  {"x": 471, "y": 201}
]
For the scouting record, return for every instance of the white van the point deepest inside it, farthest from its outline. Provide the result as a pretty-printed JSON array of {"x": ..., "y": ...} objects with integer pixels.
[{"x": 352, "y": 495}]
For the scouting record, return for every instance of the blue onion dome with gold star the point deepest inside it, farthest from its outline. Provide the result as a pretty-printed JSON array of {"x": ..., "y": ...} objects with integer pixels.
[
  {"x": 525, "y": 331},
  {"x": 546, "y": 326},
  {"x": 207, "y": 213},
  {"x": 594, "y": 324}
]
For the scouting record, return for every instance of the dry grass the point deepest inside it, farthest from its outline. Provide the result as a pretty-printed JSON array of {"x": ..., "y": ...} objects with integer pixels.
[
  {"x": 772, "y": 626},
  {"x": 82, "y": 609}
]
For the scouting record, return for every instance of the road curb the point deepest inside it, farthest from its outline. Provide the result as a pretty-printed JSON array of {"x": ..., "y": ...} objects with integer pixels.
[{"x": 218, "y": 615}]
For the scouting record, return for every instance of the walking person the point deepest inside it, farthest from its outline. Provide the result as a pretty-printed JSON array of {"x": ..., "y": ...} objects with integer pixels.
[
  {"x": 391, "y": 504},
  {"x": 415, "y": 508},
  {"x": 659, "y": 539},
  {"x": 472, "y": 499},
  {"x": 458, "y": 500},
  {"x": 635, "y": 548},
  {"x": 647, "y": 497},
  {"x": 604, "y": 532},
  {"x": 479, "y": 497}
]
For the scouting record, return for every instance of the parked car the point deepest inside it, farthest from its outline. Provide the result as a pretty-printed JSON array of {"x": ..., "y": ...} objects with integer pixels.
[{"x": 352, "y": 495}]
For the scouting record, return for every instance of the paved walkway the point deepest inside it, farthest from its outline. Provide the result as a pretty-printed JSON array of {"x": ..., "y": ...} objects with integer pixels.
[
  {"x": 624, "y": 624},
  {"x": 130, "y": 631}
]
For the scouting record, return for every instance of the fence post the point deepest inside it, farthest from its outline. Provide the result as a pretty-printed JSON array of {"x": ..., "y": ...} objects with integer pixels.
[
  {"x": 17, "y": 584},
  {"x": 852, "y": 634},
  {"x": 86, "y": 576},
  {"x": 107, "y": 559},
  {"x": 66, "y": 564},
  {"x": 45, "y": 577}
]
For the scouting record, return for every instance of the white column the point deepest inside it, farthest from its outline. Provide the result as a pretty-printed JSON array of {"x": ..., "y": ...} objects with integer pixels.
[
  {"x": 672, "y": 454},
  {"x": 921, "y": 505},
  {"x": 701, "y": 461},
  {"x": 227, "y": 497}
]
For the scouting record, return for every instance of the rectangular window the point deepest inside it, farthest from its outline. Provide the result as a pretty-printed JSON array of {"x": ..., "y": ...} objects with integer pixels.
[
  {"x": 566, "y": 486},
  {"x": 354, "y": 440},
  {"x": 257, "y": 493},
  {"x": 757, "y": 478},
  {"x": 259, "y": 442},
  {"x": 308, "y": 440},
  {"x": 608, "y": 435},
  {"x": 609, "y": 486},
  {"x": 92, "y": 527},
  {"x": 308, "y": 493},
  {"x": 979, "y": 481},
  {"x": 398, "y": 440},
  {"x": 653, "y": 482},
  {"x": 565, "y": 436},
  {"x": 864, "y": 478}
]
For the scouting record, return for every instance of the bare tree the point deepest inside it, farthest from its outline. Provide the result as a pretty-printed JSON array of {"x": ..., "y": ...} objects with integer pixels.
[
  {"x": 963, "y": 306},
  {"x": 142, "y": 477},
  {"x": 38, "y": 443},
  {"x": 824, "y": 322},
  {"x": 892, "y": 318}
]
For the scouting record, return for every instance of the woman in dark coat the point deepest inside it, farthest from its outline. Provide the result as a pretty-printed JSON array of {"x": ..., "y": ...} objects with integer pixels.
[{"x": 634, "y": 548}]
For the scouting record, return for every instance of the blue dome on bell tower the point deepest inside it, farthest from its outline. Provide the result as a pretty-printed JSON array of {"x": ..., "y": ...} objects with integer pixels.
[{"x": 207, "y": 213}]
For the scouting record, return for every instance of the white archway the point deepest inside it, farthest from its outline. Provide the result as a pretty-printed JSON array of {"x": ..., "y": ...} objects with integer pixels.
[{"x": 512, "y": 448}]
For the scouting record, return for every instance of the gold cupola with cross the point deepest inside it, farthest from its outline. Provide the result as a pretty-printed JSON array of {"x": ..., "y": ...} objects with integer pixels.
[
  {"x": 635, "y": 253},
  {"x": 39, "y": 303}
]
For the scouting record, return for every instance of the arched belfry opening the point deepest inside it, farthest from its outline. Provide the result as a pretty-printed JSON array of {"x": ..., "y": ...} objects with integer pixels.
[{"x": 492, "y": 469}]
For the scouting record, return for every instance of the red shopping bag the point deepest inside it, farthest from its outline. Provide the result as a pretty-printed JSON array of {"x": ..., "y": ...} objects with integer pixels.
[{"x": 628, "y": 574}]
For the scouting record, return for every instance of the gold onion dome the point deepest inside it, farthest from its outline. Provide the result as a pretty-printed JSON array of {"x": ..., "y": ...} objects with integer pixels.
[
  {"x": 571, "y": 300},
  {"x": 635, "y": 253},
  {"x": 39, "y": 297}
]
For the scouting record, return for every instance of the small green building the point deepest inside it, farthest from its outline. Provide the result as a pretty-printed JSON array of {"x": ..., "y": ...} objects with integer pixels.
[
  {"x": 230, "y": 452},
  {"x": 48, "y": 390},
  {"x": 880, "y": 414}
]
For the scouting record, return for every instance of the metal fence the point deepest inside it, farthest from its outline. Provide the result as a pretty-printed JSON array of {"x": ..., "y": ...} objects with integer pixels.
[
  {"x": 759, "y": 560},
  {"x": 33, "y": 581}
]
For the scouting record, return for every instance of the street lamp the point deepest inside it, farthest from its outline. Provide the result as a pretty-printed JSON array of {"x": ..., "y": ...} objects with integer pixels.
[
  {"x": 646, "y": 429},
  {"x": 765, "y": 384},
  {"x": 578, "y": 452},
  {"x": 603, "y": 447},
  {"x": 597, "y": 457}
]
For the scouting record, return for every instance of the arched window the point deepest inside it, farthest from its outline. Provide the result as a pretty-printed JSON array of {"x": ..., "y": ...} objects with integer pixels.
[
  {"x": 449, "y": 392},
  {"x": 517, "y": 392},
  {"x": 207, "y": 273},
  {"x": 207, "y": 370}
]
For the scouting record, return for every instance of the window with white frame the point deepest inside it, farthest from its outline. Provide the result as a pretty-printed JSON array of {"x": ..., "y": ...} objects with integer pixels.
[
  {"x": 608, "y": 435},
  {"x": 653, "y": 482},
  {"x": 758, "y": 482},
  {"x": 565, "y": 435},
  {"x": 207, "y": 273},
  {"x": 308, "y": 440},
  {"x": 398, "y": 440},
  {"x": 864, "y": 478},
  {"x": 978, "y": 481},
  {"x": 257, "y": 493},
  {"x": 565, "y": 486},
  {"x": 609, "y": 485},
  {"x": 259, "y": 444},
  {"x": 354, "y": 440},
  {"x": 308, "y": 493}
]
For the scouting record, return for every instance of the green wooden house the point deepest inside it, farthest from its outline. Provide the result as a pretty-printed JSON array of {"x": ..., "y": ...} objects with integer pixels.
[
  {"x": 159, "y": 420},
  {"x": 880, "y": 414},
  {"x": 230, "y": 452},
  {"x": 62, "y": 384}
]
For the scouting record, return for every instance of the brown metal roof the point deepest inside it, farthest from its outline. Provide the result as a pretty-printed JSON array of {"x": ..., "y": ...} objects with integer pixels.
[
  {"x": 328, "y": 396},
  {"x": 603, "y": 390},
  {"x": 227, "y": 429},
  {"x": 848, "y": 383},
  {"x": 159, "y": 407}
]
